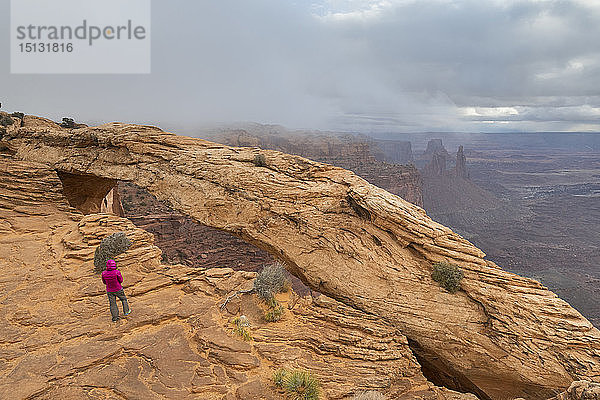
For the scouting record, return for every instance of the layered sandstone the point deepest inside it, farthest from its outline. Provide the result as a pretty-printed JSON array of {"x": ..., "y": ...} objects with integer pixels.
[
  {"x": 58, "y": 341},
  {"x": 361, "y": 155},
  {"x": 580, "y": 390},
  {"x": 502, "y": 336}
]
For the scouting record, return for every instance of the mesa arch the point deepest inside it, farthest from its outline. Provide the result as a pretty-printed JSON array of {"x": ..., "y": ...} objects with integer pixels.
[{"x": 507, "y": 335}]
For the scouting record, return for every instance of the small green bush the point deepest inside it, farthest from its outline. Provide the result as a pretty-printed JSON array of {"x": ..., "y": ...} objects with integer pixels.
[
  {"x": 242, "y": 327},
  {"x": 243, "y": 332},
  {"x": 370, "y": 395},
  {"x": 270, "y": 281},
  {"x": 279, "y": 376},
  {"x": 242, "y": 320},
  {"x": 5, "y": 120},
  {"x": 110, "y": 247},
  {"x": 447, "y": 275},
  {"x": 275, "y": 311},
  {"x": 260, "y": 160},
  {"x": 67, "y": 123},
  {"x": 301, "y": 385}
]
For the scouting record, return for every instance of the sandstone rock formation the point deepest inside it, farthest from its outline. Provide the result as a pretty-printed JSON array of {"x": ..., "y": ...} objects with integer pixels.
[
  {"x": 58, "y": 341},
  {"x": 434, "y": 146},
  {"x": 436, "y": 156},
  {"x": 361, "y": 155},
  {"x": 111, "y": 204},
  {"x": 502, "y": 336},
  {"x": 580, "y": 390},
  {"x": 451, "y": 198},
  {"x": 460, "y": 169},
  {"x": 437, "y": 165}
]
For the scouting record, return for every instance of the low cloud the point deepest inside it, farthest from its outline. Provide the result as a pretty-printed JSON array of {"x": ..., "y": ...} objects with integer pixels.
[{"x": 369, "y": 66}]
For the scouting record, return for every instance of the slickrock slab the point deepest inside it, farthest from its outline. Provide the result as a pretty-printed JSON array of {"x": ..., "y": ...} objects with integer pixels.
[{"x": 502, "y": 335}]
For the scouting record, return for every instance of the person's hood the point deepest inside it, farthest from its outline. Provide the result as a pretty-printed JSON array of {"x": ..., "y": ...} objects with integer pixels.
[{"x": 111, "y": 265}]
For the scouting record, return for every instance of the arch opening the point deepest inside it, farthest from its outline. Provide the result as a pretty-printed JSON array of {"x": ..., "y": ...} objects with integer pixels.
[
  {"x": 180, "y": 238},
  {"x": 183, "y": 240},
  {"x": 440, "y": 374},
  {"x": 91, "y": 194}
]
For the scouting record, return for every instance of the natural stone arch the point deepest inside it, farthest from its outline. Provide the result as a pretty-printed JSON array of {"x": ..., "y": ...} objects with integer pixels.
[
  {"x": 86, "y": 193},
  {"x": 357, "y": 243}
]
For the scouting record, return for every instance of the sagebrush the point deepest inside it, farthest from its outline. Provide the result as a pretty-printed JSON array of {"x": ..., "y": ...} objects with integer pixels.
[
  {"x": 110, "y": 247},
  {"x": 370, "y": 395},
  {"x": 272, "y": 279},
  {"x": 242, "y": 320},
  {"x": 67, "y": 123},
  {"x": 243, "y": 332},
  {"x": 297, "y": 384},
  {"x": 447, "y": 275}
]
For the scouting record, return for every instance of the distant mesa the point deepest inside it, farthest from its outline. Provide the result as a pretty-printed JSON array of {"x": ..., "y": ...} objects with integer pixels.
[{"x": 435, "y": 146}]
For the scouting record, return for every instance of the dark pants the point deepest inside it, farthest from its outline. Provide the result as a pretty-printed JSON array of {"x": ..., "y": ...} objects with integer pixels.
[{"x": 112, "y": 300}]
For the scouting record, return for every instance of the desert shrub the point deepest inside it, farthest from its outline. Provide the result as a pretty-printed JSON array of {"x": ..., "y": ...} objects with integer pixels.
[
  {"x": 67, "y": 123},
  {"x": 5, "y": 120},
  {"x": 242, "y": 327},
  {"x": 301, "y": 385},
  {"x": 447, "y": 275},
  {"x": 110, "y": 247},
  {"x": 275, "y": 311},
  {"x": 370, "y": 395},
  {"x": 279, "y": 376},
  {"x": 260, "y": 160},
  {"x": 243, "y": 332},
  {"x": 19, "y": 115},
  {"x": 242, "y": 320},
  {"x": 270, "y": 281}
]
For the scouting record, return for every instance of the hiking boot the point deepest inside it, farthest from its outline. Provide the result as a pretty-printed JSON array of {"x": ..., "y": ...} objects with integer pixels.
[{"x": 128, "y": 312}]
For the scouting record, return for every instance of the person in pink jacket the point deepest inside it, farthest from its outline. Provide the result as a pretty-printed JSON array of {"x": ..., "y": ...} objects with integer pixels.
[{"x": 112, "y": 278}]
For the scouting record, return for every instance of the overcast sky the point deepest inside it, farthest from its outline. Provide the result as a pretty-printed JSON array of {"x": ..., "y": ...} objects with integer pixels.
[{"x": 351, "y": 65}]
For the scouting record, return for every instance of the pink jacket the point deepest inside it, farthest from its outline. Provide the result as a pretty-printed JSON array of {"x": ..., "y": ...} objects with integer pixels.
[{"x": 112, "y": 278}]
